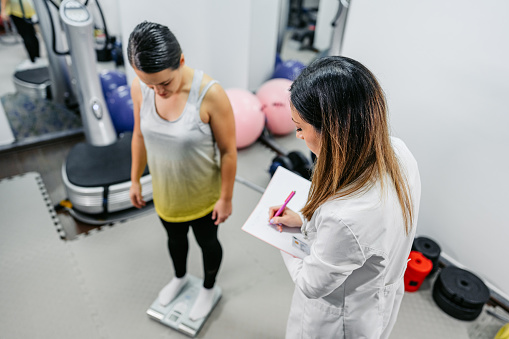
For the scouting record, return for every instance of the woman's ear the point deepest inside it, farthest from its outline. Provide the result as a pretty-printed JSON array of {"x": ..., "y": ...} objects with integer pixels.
[{"x": 182, "y": 59}]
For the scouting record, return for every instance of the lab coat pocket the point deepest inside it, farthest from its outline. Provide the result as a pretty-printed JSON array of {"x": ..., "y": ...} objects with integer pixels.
[
  {"x": 322, "y": 320},
  {"x": 389, "y": 298}
]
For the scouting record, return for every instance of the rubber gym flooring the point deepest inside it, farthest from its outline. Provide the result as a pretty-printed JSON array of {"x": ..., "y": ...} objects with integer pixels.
[{"x": 99, "y": 285}]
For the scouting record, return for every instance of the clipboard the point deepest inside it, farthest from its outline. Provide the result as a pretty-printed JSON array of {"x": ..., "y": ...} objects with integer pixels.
[{"x": 290, "y": 240}]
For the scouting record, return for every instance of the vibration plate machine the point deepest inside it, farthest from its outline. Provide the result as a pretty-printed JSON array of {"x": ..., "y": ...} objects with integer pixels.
[
  {"x": 96, "y": 174},
  {"x": 176, "y": 313}
]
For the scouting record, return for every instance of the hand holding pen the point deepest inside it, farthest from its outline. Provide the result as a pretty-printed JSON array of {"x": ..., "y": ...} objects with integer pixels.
[{"x": 281, "y": 215}]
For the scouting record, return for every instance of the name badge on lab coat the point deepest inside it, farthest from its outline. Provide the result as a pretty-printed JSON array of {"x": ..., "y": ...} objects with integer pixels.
[{"x": 301, "y": 245}]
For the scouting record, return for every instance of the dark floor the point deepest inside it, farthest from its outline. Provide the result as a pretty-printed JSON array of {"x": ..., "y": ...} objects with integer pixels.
[{"x": 47, "y": 160}]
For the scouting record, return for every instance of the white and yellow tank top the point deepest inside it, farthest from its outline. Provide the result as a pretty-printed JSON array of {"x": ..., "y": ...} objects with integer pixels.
[
  {"x": 182, "y": 157},
  {"x": 20, "y": 8}
]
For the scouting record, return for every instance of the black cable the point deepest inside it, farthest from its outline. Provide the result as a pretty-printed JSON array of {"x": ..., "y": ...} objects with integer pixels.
[
  {"x": 22, "y": 9},
  {"x": 53, "y": 34},
  {"x": 338, "y": 14},
  {"x": 54, "y": 4},
  {"x": 104, "y": 23}
]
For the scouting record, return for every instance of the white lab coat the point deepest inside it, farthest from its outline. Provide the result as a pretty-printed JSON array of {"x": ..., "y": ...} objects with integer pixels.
[{"x": 351, "y": 284}]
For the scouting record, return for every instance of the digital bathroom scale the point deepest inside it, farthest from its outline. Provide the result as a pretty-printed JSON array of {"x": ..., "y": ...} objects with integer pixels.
[{"x": 175, "y": 314}]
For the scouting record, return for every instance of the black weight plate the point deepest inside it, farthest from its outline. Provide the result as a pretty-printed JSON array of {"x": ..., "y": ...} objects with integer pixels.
[
  {"x": 452, "y": 309},
  {"x": 426, "y": 246},
  {"x": 429, "y": 249},
  {"x": 462, "y": 287}
]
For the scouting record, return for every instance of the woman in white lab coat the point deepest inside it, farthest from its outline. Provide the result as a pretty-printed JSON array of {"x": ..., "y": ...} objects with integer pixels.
[{"x": 361, "y": 213}]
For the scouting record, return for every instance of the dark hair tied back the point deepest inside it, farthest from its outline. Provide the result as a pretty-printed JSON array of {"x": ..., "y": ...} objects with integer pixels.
[{"x": 153, "y": 48}]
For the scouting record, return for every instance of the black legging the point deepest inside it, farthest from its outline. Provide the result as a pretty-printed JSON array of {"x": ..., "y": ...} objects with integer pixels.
[
  {"x": 205, "y": 233},
  {"x": 26, "y": 29}
]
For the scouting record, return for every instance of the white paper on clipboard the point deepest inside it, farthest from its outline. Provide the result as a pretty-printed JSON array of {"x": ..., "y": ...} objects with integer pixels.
[{"x": 282, "y": 183}]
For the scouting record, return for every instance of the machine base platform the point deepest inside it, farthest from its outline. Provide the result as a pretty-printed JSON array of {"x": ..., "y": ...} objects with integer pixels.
[{"x": 113, "y": 217}]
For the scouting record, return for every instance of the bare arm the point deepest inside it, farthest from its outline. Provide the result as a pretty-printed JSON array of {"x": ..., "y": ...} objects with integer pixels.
[
  {"x": 223, "y": 126},
  {"x": 3, "y": 10},
  {"x": 138, "y": 151}
]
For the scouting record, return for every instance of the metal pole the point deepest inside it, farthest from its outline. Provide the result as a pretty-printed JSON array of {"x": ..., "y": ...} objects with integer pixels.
[
  {"x": 49, "y": 22},
  {"x": 78, "y": 26}
]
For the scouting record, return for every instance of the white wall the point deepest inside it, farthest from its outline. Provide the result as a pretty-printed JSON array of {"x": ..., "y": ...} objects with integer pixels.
[
  {"x": 111, "y": 15},
  {"x": 444, "y": 67},
  {"x": 265, "y": 17},
  {"x": 215, "y": 36}
]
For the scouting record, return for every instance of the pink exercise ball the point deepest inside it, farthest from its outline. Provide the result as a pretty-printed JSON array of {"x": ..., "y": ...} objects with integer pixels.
[
  {"x": 249, "y": 118},
  {"x": 275, "y": 98}
]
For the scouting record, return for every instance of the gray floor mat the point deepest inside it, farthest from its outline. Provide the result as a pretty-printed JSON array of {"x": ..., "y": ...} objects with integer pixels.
[
  {"x": 126, "y": 265},
  {"x": 40, "y": 294},
  {"x": 100, "y": 285}
]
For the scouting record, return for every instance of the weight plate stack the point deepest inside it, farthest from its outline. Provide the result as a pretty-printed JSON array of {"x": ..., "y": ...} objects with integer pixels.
[
  {"x": 429, "y": 249},
  {"x": 460, "y": 293}
]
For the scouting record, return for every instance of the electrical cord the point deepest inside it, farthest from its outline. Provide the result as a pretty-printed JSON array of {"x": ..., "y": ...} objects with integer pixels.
[{"x": 53, "y": 34}]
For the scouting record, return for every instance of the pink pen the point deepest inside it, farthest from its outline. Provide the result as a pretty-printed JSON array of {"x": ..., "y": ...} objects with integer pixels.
[{"x": 282, "y": 208}]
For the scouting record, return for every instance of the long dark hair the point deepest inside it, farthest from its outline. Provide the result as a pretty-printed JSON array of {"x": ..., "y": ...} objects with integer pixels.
[
  {"x": 153, "y": 48},
  {"x": 345, "y": 104}
]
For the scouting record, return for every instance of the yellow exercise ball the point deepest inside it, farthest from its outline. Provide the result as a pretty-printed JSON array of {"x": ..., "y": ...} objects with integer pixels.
[{"x": 503, "y": 333}]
